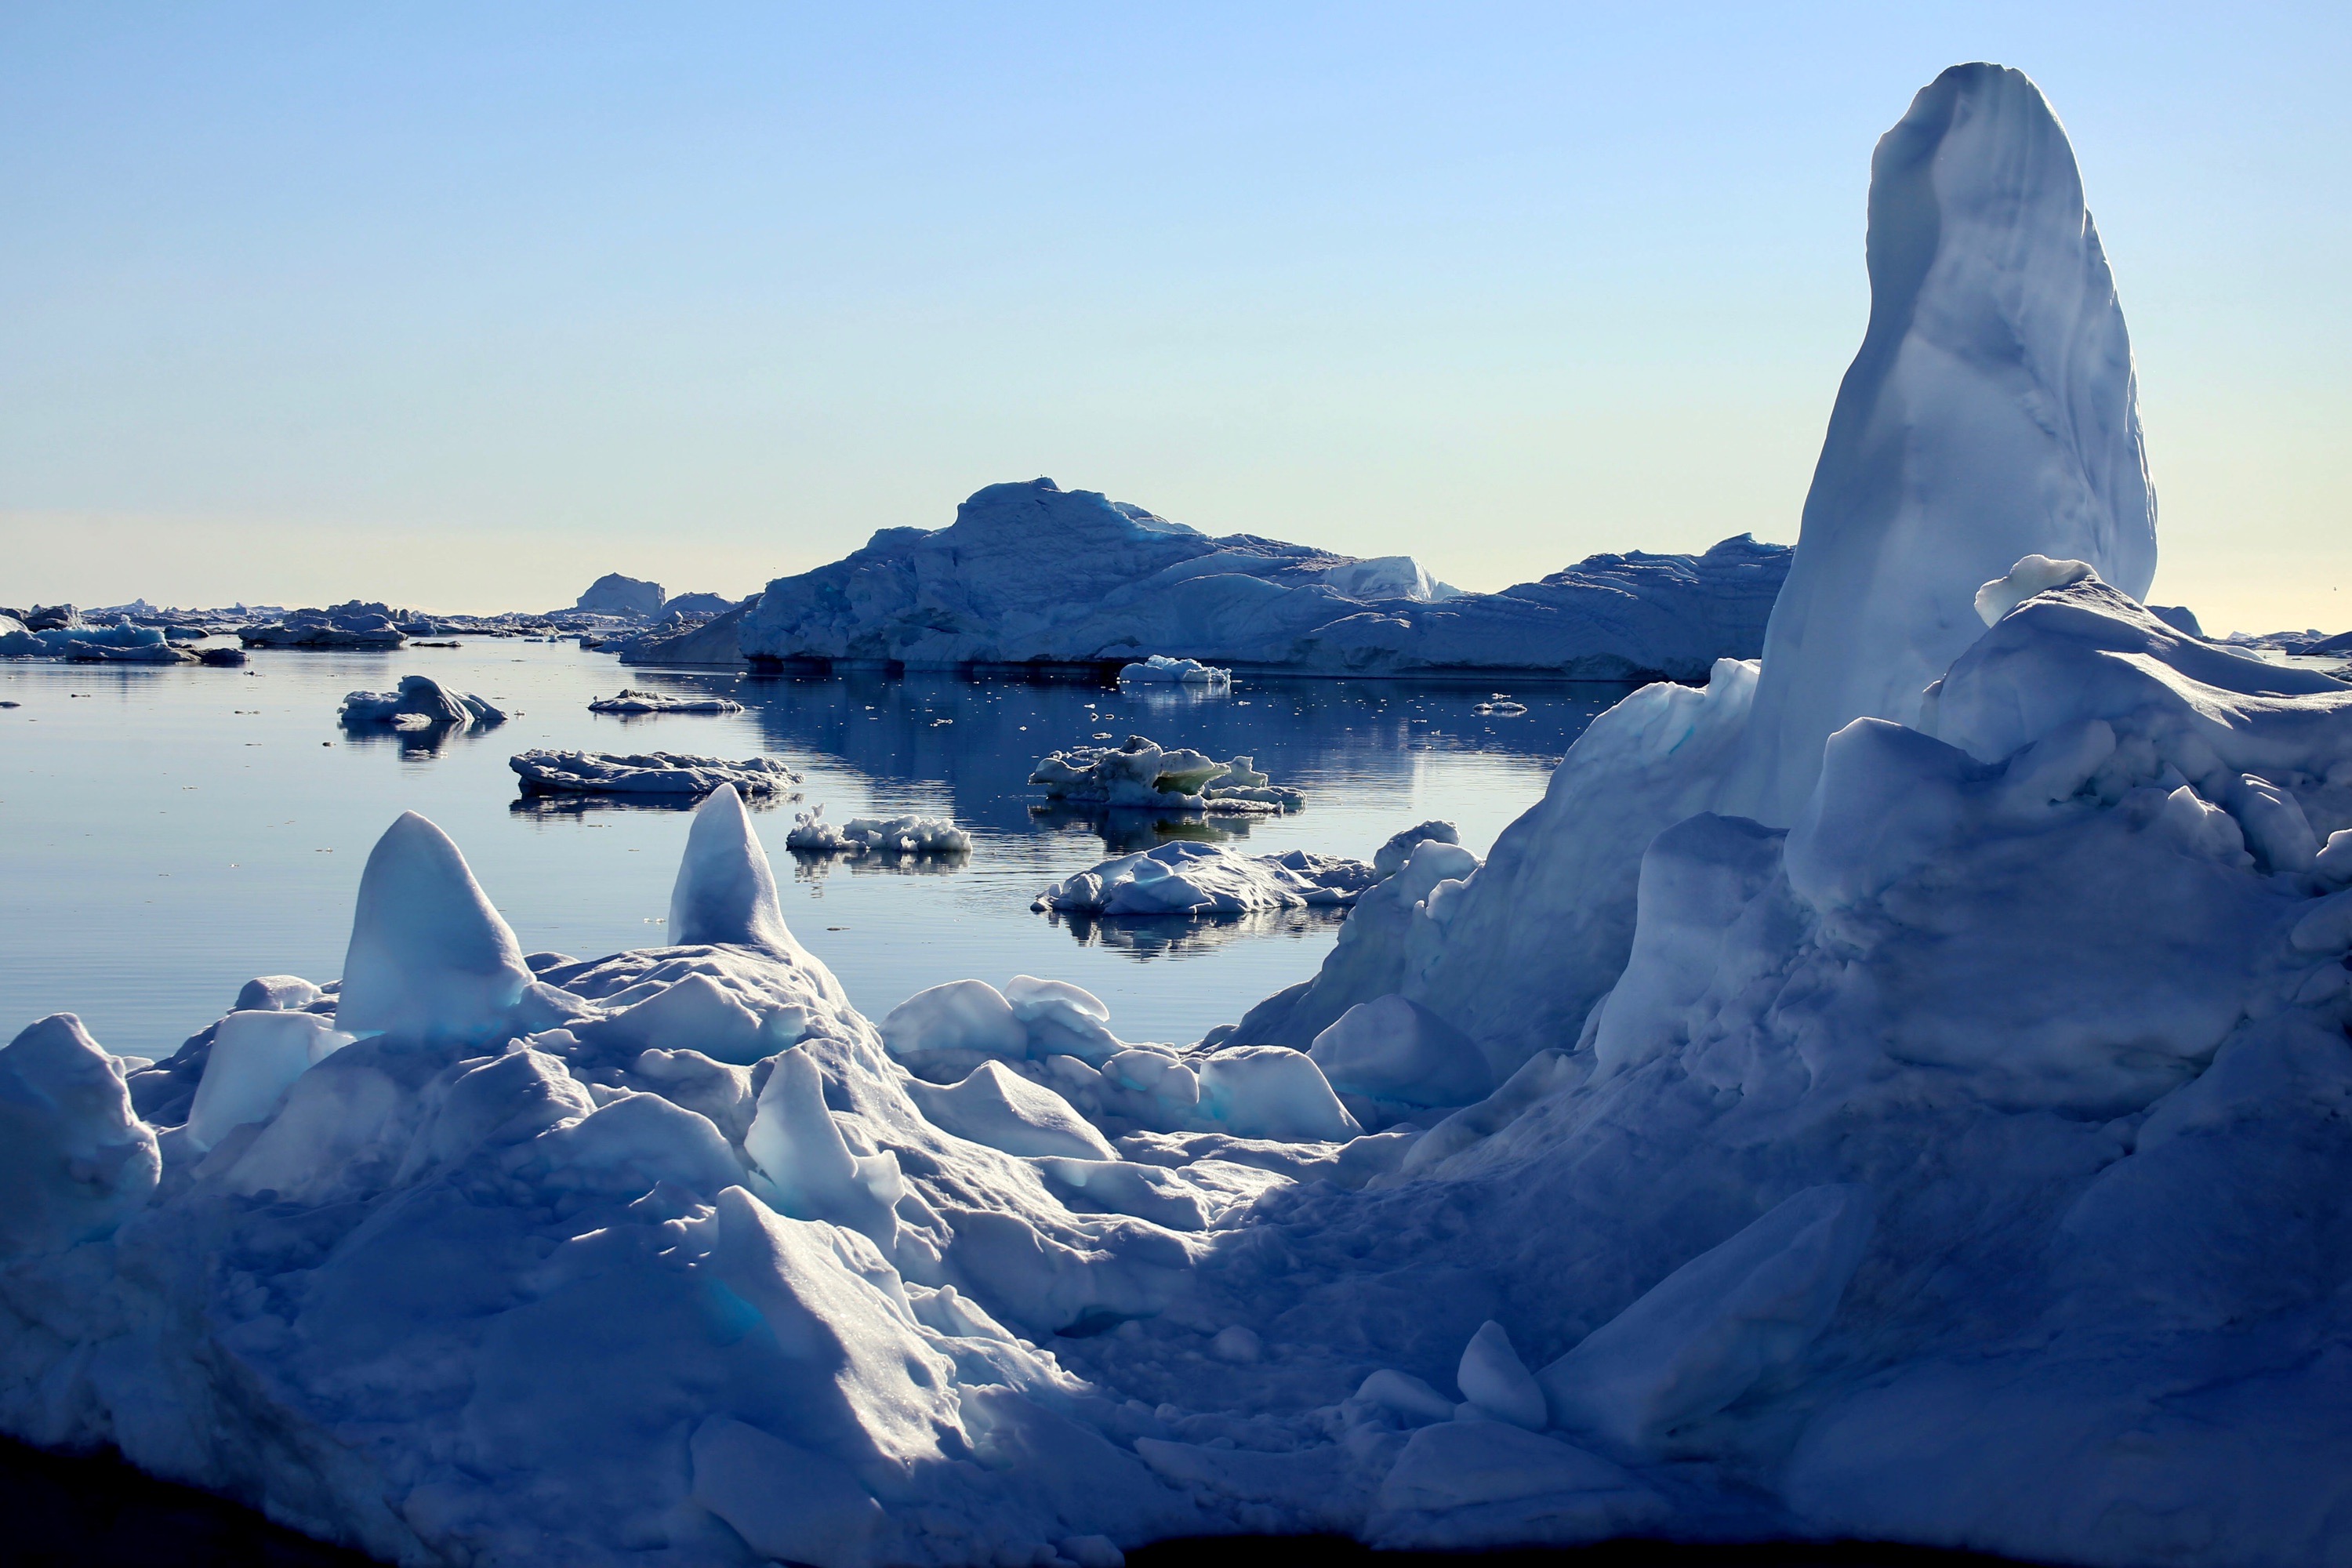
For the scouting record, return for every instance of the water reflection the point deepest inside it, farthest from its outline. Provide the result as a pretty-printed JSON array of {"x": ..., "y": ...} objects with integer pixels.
[{"x": 1168, "y": 936}]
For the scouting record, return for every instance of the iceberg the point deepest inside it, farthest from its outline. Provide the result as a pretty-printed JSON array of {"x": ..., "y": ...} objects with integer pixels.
[
  {"x": 630, "y": 701},
  {"x": 615, "y": 595},
  {"x": 1184, "y": 878},
  {"x": 1032, "y": 574},
  {"x": 550, "y": 773},
  {"x": 420, "y": 703},
  {"x": 1140, "y": 775},
  {"x": 1162, "y": 670},
  {"x": 1950, "y": 1154},
  {"x": 909, "y": 835}
]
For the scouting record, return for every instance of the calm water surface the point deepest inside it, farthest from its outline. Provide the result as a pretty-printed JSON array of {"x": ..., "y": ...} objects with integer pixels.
[{"x": 165, "y": 834}]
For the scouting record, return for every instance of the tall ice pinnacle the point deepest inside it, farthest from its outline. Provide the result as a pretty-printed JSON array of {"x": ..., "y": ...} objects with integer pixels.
[
  {"x": 725, "y": 890},
  {"x": 1991, "y": 414},
  {"x": 429, "y": 959}
]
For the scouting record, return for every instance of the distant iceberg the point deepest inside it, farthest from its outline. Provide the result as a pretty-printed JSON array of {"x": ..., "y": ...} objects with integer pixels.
[
  {"x": 555, "y": 772},
  {"x": 630, "y": 702},
  {"x": 910, "y": 835},
  {"x": 1142, "y": 775},
  {"x": 1160, "y": 669},
  {"x": 420, "y": 703}
]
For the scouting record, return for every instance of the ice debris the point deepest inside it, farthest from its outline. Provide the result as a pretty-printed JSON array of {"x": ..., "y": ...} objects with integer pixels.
[
  {"x": 631, "y": 701},
  {"x": 420, "y": 703},
  {"x": 651, "y": 773},
  {"x": 1139, "y": 776},
  {"x": 909, "y": 835},
  {"x": 1184, "y": 878},
  {"x": 1160, "y": 669}
]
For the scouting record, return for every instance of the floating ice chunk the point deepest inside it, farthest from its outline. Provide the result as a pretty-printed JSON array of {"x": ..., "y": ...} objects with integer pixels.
[
  {"x": 75, "y": 1160},
  {"x": 630, "y": 701},
  {"x": 909, "y": 835},
  {"x": 1162, "y": 669},
  {"x": 1390, "y": 858},
  {"x": 1394, "y": 1048},
  {"x": 652, "y": 772},
  {"x": 1184, "y": 878},
  {"x": 429, "y": 957},
  {"x": 1006, "y": 1110},
  {"x": 1271, "y": 1092},
  {"x": 277, "y": 994},
  {"x": 787, "y": 1502},
  {"x": 1461, "y": 1464},
  {"x": 1495, "y": 1380},
  {"x": 963, "y": 1014},
  {"x": 1142, "y": 775},
  {"x": 2028, "y": 577},
  {"x": 1705, "y": 1333},
  {"x": 255, "y": 1057},
  {"x": 420, "y": 702},
  {"x": 725, "y": 891}
]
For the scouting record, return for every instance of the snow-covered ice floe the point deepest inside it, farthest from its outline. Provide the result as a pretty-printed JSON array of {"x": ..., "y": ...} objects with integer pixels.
[
  {"x": 1140, "y": 775},
  {"x": 81, "y": 644},
  {"x": 651, "y": 773},
  {"x": 812, "y": 835},
  {"x": 1181, "y": 877},
  {"x": 1160, "y": 669},
  {"x": 632, "y": 701},
  {"x": 420, "y": 704},
  {"x": 1840, "y": 1108}
]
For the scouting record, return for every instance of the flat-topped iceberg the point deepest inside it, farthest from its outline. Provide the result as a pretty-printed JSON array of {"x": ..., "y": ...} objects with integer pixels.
[
  {"x": 630, "y": 701},
  {"x": 1142, "y": 775},
  {"x": 649, "y": 772},
  {"x": 420, "y": 703}
]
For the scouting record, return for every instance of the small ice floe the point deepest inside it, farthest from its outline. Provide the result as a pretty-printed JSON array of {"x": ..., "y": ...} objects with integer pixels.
[
  {"x": 811, "y": 835},
  {"x": 1162, "y": 670},
  {"x": 420, "y": 704},
  {"x": 1142, "y": 776},
  {"x": 632, "y": 701},
  {"x": 1500, "y": 706},
  {"x": 1182, "y": 877},
  {"x": 650, "y": 773}
]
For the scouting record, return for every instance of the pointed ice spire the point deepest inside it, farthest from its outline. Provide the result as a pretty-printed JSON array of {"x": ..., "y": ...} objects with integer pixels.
[
  {"x": 725, "y": 891},
  {"x": 429, "y": 959},
  {"x": 1992, "y": 414}
]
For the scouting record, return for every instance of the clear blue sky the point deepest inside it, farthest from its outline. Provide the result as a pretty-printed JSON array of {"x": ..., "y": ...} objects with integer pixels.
[{"x": 463, "y": 305}]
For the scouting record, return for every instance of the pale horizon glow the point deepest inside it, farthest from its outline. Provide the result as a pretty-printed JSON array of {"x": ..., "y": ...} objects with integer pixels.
[{"x": 462, "y": 308}]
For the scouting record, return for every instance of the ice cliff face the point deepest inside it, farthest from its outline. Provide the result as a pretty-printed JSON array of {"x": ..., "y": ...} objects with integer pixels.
[
  {"x": 1991, "y": 412},
  {"x": 1032, "y": 573}
]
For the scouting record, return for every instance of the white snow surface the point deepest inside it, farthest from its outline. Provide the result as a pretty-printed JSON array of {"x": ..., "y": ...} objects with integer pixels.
[
  {"x": 1957, "y": 1161},
  {"x": 650, "y": 773},
  {"x": 1182, "y": 877},
  {"x": 1032, "y": 573},
  {"x": 630, "y": 701}
]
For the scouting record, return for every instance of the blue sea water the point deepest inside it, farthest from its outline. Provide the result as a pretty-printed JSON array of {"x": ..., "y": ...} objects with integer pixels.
[{"x": 168, "y": 833}]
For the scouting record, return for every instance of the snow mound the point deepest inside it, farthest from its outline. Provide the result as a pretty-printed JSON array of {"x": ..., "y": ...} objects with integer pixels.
[
  {"x": 1161, "y": 668},
  {"x": 910, "y": 835},
  {"x": 651, "y": 773},
  {"x": 1031, "y": 572},
  {"x": 420, "y": 703},
  {"x": 1139, "y": 776},
  {"x": 631, "y": 701},
  {"x": 726, "y": 892},
  {"x": 1181, "y": 877}
]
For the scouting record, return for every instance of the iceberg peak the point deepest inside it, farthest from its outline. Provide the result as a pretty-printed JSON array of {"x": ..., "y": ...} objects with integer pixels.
[
  {"x": 429, "y": 957},
  {"x": 1991, "y": 414},
  {"x": 725, "y": 890}
]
